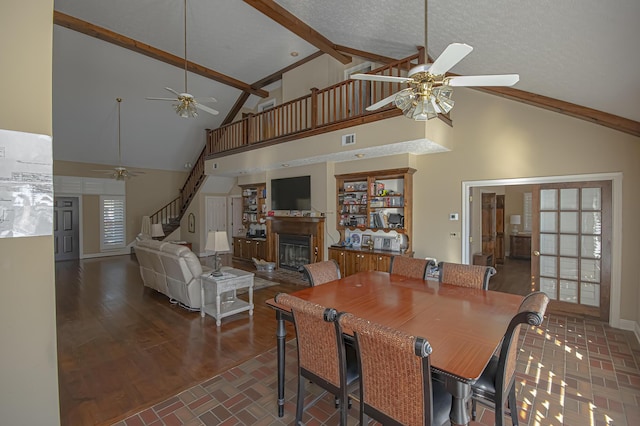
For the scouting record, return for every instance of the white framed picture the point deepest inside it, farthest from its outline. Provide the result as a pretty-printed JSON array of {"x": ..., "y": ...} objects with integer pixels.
[{"x": 355, "y": 239}]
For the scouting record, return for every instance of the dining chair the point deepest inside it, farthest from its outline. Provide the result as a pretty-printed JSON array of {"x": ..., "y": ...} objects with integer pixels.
[
  {"x": 496, "y": 384},
  {"x": 322, "y": 272},
  {"x": 473, "y": 276},
  {"x": 410, "y": 266},
  {"x": 321, "y": 355},
  {"x": 396, "y": 387}
]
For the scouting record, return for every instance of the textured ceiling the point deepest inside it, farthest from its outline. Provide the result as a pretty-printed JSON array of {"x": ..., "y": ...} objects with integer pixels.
[{"x": 576, "y": 51}]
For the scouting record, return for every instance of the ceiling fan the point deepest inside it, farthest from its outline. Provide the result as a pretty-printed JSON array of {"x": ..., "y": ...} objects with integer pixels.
[
  {"x": 120, "y": 172},
  {"x": 430, "y": 89},
  {"x": 186, "y": 105}
]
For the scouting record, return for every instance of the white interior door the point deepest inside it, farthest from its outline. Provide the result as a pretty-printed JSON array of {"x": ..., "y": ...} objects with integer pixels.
[{"x": 216, "y": 215}]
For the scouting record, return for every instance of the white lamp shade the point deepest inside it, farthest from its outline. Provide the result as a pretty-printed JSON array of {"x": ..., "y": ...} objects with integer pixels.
[
  {"x": 217, "y": 241},
  {"x": 515, "y": 219},
  {"x": 156, "y": 230},
  {"x": 146, "y": 225}
]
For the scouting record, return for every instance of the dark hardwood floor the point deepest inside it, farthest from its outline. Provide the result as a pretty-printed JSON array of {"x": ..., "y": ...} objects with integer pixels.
[
  {"x": 123, "y": 347},
  {"x": 513, "y": 276}
]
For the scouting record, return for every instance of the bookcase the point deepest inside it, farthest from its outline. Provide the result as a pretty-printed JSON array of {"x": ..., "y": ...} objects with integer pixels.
[{"x": 379, "y": 200}]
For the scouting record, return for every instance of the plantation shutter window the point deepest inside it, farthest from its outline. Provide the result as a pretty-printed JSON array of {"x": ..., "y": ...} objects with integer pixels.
[{"x": 112, "y": 233}]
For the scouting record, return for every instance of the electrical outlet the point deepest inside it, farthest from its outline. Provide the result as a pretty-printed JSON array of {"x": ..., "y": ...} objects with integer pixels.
[{"x": 453, "y": 216}]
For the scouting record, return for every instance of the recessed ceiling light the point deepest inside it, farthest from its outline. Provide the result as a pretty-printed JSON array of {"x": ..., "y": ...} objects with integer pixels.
[
  {"x": 360, "y": 155},
  {"x": 294, "y": 53},
  {"x": 285, "y": 165}
]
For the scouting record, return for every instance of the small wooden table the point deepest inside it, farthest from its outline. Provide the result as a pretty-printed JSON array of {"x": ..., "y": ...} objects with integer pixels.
[
  {"x": 230, "y": 281},
  {"x": 463, "y": 325}
]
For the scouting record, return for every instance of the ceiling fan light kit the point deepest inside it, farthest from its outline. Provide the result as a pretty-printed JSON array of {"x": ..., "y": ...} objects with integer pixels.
[
  {"x": 185, "y": 105},
  {"x": 430, "y": 90},
  {"x": 119, "y": 172}
]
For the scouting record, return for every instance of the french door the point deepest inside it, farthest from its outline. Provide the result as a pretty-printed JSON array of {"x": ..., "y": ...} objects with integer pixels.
[{"x": 571, "y": 245}]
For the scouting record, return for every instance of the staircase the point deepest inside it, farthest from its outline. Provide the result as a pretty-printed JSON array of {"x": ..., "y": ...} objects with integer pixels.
[{"x": 171, "y": 214}]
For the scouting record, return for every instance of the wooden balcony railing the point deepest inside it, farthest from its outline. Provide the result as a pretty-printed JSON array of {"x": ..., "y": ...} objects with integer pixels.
[{"x": 319, "y": 111}]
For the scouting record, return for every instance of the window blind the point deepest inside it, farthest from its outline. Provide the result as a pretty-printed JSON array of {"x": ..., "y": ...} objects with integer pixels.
[{"x": 113, "y": 222}]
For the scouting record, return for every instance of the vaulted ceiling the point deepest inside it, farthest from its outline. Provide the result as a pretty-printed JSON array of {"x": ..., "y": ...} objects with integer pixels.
[{"x": 576, "y": 52}]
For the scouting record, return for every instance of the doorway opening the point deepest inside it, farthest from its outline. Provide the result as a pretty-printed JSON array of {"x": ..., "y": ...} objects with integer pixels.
[{"x": 612, "y": 302}]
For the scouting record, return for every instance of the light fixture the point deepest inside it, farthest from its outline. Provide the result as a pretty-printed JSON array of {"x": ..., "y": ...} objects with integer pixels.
[
  {"x": 360, "y": 155},
  {"x": 294, "y": 53},
  {"x": 285, "y": 165},
  {"x": 156, "y": 231},
  {"x": 515, "y": 221},
  {"x": 145, "y": 228},
  {"x": 217, "y": 242}
]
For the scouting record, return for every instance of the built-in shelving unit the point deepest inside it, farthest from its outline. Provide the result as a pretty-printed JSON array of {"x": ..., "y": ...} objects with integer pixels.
[{"x": 376, "y": 201}]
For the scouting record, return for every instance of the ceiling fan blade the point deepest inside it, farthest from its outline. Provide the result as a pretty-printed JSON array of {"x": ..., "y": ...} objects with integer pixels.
[
  {"x": 172, "y": 91},
  {"x": 207, "y": 109},
  {"x": 206, "y": 99},
  {"x": 484, "y": 80},
  {"x": 453, "y": 54},
  {"x": 385, "y": 101},
  {"x": 386, "y": 78},
  {"x": 160, "y": 99}
]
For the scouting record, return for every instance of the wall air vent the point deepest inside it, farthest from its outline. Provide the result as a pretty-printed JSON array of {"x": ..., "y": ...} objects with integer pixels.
[{"x": 349, "y": 139}]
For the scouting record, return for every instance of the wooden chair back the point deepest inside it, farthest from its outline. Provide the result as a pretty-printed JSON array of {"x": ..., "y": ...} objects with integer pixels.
[
  {"x": 473, "y": 276},
  {"x": 321, "y": 354},
  {"x": 409, "y": 266},
  {"x": 322, "y": 272},
  {"x": 395, "y": 374}
]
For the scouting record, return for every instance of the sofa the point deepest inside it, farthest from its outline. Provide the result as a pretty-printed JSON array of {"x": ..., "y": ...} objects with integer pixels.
[{"x": 171, "y": 269}]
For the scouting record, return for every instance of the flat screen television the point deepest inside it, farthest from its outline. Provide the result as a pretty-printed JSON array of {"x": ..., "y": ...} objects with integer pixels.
[{"x": 292, "y": 193}]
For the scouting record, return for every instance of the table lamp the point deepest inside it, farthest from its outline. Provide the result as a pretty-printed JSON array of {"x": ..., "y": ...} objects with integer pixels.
[
  {"x": 515, "y": 221},
  {"x": 156, "y": 231},
  {"x": 217, "y": 242}
]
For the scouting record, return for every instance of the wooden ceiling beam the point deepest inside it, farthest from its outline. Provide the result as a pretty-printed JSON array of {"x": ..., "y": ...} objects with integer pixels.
[
  {"x": 283, "y": 17},
  {"x": 235, "y": 109},
  {"x": 109, "y": 36},
  {"x": 366, "y": 55}
]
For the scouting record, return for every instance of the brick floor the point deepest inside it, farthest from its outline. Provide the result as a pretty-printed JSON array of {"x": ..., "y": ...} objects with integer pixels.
[{"x": 570, "y": 371}]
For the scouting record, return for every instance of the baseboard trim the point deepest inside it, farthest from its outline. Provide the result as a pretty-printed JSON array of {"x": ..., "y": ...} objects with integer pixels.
[
  {"x": 631, "y": 326},
  {"x": 111, "y": 253}
]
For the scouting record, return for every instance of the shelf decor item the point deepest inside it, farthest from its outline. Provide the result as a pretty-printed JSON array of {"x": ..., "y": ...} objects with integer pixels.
[
  {"x": 192, "y": 223},
  {"x": 356, "y": 239}
]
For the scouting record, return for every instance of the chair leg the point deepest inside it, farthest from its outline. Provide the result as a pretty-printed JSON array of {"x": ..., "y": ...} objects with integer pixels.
[
  {"x": 513, "y": 406},
  {"x": 473, "y": 409},
  {"x": 300, "y": 401}
]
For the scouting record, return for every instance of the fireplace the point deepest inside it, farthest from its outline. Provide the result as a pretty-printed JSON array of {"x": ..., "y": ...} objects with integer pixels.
[
  {"x": 293, "y": 251},
  {"x": 296, "y": 241}
]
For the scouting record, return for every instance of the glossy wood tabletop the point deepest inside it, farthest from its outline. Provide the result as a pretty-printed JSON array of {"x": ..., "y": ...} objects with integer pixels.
[{"x": 464, "y": 326}]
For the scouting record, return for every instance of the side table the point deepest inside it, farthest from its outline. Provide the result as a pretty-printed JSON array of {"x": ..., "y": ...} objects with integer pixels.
[{"x": 230, "y": 281}]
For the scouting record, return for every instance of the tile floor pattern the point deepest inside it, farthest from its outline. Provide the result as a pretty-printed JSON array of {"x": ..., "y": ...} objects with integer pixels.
[{"x": 571, "y": 371}]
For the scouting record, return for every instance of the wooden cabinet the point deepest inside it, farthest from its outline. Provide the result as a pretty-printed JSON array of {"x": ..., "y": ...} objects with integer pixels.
[
  {"x": 352, "y": 260},
  {"x": 378, "y": 200},
  {"x": 520, "y": 246},
  {"x": 248, "y": 248}
]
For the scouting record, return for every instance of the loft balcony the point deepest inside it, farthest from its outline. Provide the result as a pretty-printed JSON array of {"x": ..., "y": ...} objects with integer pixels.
[{"x": 333, "y": 108}]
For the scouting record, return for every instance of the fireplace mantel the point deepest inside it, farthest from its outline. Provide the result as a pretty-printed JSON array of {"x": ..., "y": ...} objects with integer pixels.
[{"x": 297, "y": 225}]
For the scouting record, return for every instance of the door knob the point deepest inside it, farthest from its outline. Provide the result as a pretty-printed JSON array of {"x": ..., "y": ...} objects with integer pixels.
[{"x": 536, "y": 253}]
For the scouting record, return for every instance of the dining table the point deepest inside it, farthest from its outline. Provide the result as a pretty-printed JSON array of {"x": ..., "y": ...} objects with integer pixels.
[{"x": 463, "y": 325}]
